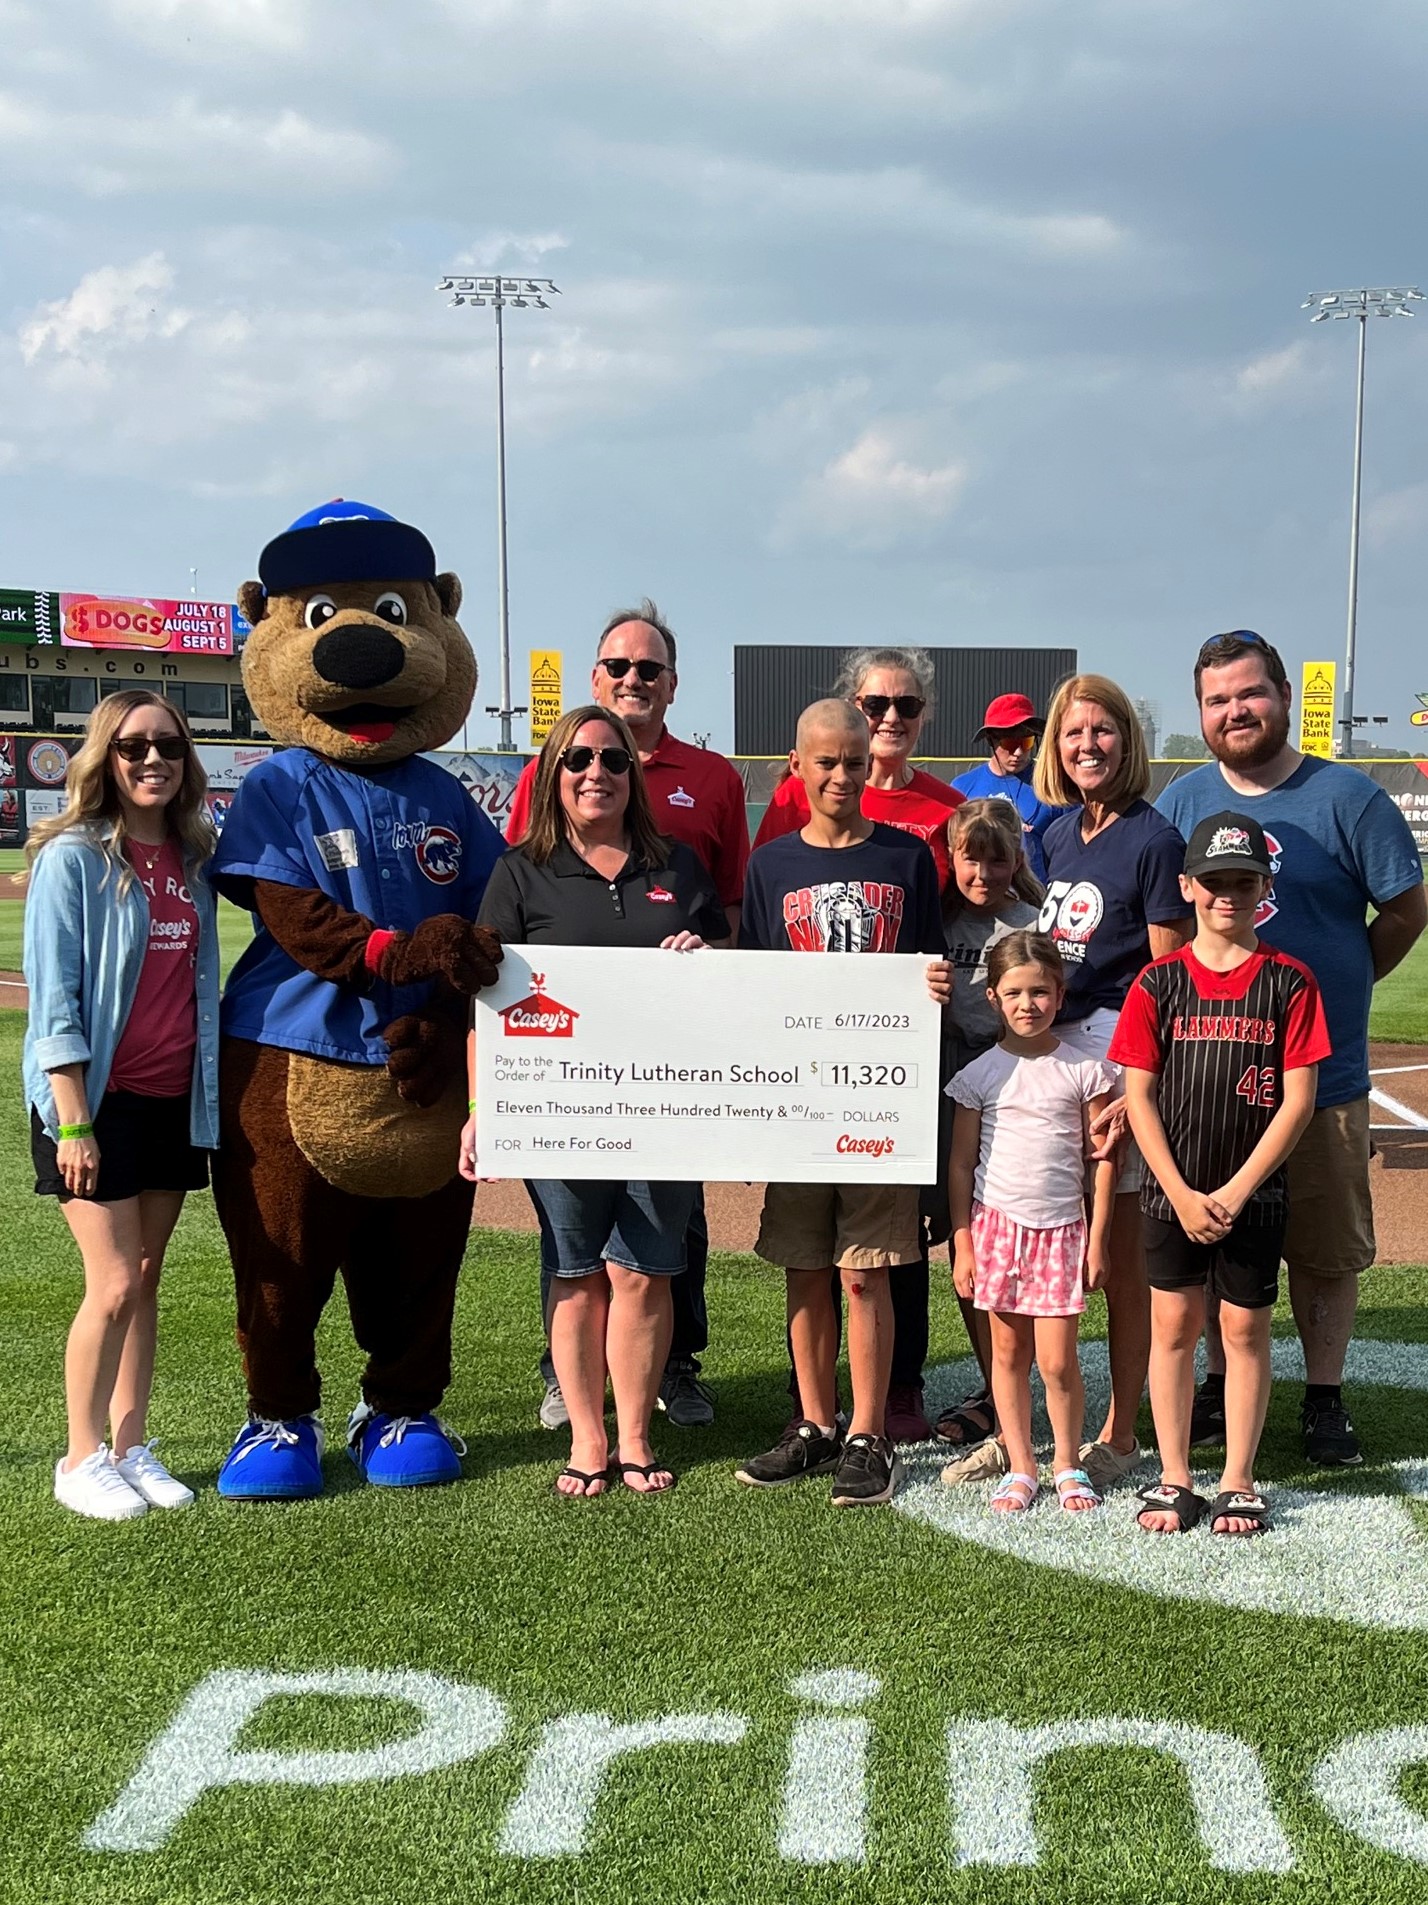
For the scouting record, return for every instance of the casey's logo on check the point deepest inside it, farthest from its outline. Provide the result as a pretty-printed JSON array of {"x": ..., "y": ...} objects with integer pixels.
[{"x": 538, "y": 1015}]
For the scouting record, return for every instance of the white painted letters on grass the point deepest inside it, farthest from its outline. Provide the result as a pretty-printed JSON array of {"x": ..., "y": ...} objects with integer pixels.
[
  {"x": 197, "y": 1751},
  {"x": 825, "y": 1793},
  {"x": 1358, "y": 1785}
]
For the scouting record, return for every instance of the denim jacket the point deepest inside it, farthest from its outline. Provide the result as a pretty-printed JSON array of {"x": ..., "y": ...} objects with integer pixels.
[{"x": 84, "y": 951}]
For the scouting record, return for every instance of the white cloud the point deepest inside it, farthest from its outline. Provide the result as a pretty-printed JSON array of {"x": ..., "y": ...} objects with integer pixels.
[
  {"x": 871, "y": 496},
  {"x": 503, "y": 250},
  {"x": 175, "y": 25},
  {"x": 114, "y": 305},
  {"x": 1276, "y": 373}
]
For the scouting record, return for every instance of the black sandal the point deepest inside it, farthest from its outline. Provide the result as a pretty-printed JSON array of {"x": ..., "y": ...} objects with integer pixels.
[
  {"x": 1168, "y": 1498},
  {"x": 579, "y": 1475},
  {"x": 647, "y": 1469},
  {"x": 1244, "y": 1507},
  {"x": 971, "y": 1422}
]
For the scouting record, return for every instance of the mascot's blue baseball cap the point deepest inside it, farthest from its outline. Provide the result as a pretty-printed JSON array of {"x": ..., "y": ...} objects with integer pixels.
[{"x": 345, "y": 542}]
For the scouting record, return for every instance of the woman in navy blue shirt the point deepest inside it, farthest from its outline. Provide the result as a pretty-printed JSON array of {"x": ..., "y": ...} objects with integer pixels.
[{"x": 1113, "y": 903}]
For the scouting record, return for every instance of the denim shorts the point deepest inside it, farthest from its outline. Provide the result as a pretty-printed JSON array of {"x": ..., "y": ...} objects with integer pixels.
[{"x": 635, "y": 1225}]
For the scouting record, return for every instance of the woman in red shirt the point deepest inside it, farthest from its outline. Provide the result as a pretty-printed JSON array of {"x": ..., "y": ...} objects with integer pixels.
[{"x": 893, "y": 689}]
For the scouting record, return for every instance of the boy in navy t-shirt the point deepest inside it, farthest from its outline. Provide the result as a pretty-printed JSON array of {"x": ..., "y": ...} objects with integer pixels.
[{"x": 843, "y": 884}]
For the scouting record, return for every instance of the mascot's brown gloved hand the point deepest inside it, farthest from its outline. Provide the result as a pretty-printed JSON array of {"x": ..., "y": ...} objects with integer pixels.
[
  {"x": 446, "y": 947},
  {"x": 349, "y": 950},
  {"x": 424, "y": 1053}
]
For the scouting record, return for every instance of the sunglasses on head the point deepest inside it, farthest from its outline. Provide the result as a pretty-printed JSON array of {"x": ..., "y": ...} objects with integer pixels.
[
  {"x": 909, "y": 707},
  {"x": 135, "y": 747},
  {"x": 618, "y": 666},
  {"x": 614, "y": 760},
  {"x": 1247, "y": 635}
]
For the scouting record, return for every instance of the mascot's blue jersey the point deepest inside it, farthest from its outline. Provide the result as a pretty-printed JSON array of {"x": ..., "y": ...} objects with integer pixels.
[{"x": 399, "y": 845}]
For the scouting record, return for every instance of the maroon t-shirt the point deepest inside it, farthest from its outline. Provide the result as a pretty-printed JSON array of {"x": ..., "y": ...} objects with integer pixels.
[{"x": 156, "y": 1047}]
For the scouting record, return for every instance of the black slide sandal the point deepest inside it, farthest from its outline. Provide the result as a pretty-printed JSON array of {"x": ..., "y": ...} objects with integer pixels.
[
  {"x": 1234, "y": 1501},
  {"x": 1168, "y": 1498}
]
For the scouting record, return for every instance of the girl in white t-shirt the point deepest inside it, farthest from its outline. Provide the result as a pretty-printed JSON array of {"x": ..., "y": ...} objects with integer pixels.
[
  {"x": 1020, "y": 1245},
  {"x": 992, "y": 891}
]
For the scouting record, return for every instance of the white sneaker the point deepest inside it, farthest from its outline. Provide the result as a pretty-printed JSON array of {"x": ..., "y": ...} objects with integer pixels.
[
  {"x": 95, "y": 1487},
  {"x": 147, "y": 1476}
]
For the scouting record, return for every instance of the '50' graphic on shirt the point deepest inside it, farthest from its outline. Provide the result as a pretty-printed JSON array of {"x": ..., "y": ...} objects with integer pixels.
[{"x": 1071, "y": 912}]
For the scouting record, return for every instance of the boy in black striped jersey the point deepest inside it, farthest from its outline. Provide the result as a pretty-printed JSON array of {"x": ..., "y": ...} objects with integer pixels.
[{"x": 1221, "y": 1042}]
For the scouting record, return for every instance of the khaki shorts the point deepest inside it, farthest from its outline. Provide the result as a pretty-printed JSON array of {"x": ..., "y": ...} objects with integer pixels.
[
  {"x": 849, "y": 1226},
  {"x": 1330, "y": 1210}
]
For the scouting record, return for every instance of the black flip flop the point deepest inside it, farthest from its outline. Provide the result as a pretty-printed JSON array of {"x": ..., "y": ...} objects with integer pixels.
[
  {"x": 647, "y": 1469},
  {"x": 579, "y": 1475},
  {"x": 1244, "y": 1507},
  {"x": 1168, "y": 1498}
]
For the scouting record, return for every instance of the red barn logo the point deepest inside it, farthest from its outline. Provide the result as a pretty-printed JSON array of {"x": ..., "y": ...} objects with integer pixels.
[{"x": 539, "y": 1016}]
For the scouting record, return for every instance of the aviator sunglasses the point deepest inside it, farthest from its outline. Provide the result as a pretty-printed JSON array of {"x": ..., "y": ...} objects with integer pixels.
[
  {"x": 135, "y": 747},
  {"x": 909, "y": 707},
  {"x": 618, "y": 666},
  {"x": 614, "y": 760}
]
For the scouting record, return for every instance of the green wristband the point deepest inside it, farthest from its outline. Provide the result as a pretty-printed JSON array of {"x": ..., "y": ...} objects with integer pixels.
[
  {"x": 68, "y": 1131},
  {"x": 470, "y": 1104}
]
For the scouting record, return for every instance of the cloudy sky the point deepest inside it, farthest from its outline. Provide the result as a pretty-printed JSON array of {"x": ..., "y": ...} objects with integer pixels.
[{"x": 953, "y": 321}]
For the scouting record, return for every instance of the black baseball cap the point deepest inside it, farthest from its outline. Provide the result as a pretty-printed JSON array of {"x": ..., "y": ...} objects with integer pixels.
[{"x": 1228, "y": 843}]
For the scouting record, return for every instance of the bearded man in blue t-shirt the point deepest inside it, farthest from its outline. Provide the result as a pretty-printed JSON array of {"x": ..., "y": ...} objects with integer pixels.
[{"x": 1339, "y": 847}]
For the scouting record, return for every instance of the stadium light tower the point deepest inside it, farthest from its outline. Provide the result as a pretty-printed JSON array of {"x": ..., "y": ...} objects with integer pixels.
[
  {"x": 1374, "y": 301},
  {"x": 498, "y": 291}
]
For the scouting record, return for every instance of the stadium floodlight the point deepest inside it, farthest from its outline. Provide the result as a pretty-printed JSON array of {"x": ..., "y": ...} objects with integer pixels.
[
  {"x": 1382, "y": 300},
  {"x": 493, "y": 288}
]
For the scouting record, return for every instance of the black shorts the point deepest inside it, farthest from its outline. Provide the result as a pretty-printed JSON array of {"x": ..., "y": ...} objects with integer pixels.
[
  {"x": 143, "y": 1146},
  {"x": 1243, "y": 1268}
]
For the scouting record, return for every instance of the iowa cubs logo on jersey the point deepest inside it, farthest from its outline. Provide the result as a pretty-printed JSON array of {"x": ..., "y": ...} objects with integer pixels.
[
  {"x": 1071, "y": 912},
  {"x": 437, "y": 848}
]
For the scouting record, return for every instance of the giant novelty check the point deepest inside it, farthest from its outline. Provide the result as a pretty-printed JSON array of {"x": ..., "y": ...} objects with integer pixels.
[{"x": 733, "y": 1066}]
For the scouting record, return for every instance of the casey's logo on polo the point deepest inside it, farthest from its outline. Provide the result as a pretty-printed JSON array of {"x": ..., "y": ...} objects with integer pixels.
[{"x": 539, "y": 1016}]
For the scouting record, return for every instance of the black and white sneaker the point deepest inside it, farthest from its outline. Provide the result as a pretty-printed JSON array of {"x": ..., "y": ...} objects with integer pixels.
[
  {"x": 1329, "y": 1437},
  {"x": 869, "y": 1472},
  {"x": 802, "y": 1449}
]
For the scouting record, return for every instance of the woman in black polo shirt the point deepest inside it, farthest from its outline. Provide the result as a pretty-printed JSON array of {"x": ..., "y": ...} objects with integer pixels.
[{"x": 593, "y": 871}]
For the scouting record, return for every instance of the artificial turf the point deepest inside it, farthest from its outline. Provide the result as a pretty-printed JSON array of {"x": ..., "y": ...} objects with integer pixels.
[{"x": 711, "y": 1600}]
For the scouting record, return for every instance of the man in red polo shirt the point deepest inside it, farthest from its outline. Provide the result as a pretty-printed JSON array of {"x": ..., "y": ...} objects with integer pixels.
[{"x": 697, "y": 798}]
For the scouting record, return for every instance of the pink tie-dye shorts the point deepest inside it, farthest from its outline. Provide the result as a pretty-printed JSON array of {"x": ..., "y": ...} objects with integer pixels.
[{"x": 1022, "y": 1272}]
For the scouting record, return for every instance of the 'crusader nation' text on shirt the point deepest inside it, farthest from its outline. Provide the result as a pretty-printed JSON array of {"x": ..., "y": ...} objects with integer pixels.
[
  {"x": 879, "y": 896},
  {"x": 398, "y": 845},
  {"x": 1221, "y": 1043}
]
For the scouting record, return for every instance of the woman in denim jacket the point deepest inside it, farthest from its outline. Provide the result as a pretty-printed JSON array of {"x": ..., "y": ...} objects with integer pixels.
[{"x": 121, "y": 1066}]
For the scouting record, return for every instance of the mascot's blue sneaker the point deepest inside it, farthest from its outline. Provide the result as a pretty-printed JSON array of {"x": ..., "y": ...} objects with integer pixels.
[
  {"x": 274, "y": 1461},
  {"x": 403, "y": 1451}
]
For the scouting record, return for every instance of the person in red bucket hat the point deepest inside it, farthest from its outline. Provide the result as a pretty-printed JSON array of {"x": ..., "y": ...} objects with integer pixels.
[{"x": 1011, "y": 729}]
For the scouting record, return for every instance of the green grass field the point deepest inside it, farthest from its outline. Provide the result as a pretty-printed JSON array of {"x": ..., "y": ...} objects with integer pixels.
[
  {"x": 1400, "y": 1007},
  {"x": 709, "y": 1602}
]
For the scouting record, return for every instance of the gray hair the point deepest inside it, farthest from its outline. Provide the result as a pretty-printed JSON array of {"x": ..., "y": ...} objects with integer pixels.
[
  {"x": 646, "y": 612},
  {"x": 861, "y": 663}
]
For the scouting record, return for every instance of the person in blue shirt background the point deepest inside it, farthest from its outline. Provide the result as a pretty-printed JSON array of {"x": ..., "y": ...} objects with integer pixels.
[
  {"x": 1011, "y": 729},
  {"x": 1340, "y": 849}
]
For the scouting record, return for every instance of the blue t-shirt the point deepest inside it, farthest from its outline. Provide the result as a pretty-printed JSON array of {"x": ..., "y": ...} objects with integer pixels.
[
  {"x": 400, "y": 845},
  {"x": 877, "y": 897},
  {"x": 980, "y": 783},
  {"x": 1337, "y": 845},
  {"x": 1102, "y": 895}
]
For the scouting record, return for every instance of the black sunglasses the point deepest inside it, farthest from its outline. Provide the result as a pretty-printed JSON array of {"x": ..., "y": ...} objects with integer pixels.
[
  {"x": 909, "y": 707},
  {"x": 614, "y": 760},
  {"x": 618, "y": 666},
  {"x": 135, "y": 747}
]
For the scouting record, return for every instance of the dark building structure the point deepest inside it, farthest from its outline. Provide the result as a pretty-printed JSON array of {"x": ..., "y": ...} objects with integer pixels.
[{"x": 772, "y": 686}]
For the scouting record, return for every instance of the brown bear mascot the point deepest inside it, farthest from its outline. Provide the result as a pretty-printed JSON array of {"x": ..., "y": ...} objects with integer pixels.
[{"x": 344, "y": 1022}]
